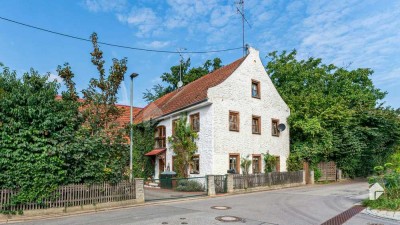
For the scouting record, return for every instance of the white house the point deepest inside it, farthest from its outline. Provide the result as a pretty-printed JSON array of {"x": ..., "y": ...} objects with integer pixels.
[{"x": 236, "y": 110}]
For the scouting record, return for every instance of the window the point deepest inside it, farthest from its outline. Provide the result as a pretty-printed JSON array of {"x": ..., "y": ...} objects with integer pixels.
[
  {"x": 174, "y": 122},
  {"x": 234, "y": 163},
  {"x": 195, "y": 166},
  {"x": 195, "y": 122},
  {"x": 278, "y": 164},
  {"x": 256, "y": 163},
  {"x": 234, "y": 121},
  {"x": 256, "y": 125},
  {"x": 255, "y": 89},
  {"x": 275, "y": 131},
  {"x": 159, "y": 137}
]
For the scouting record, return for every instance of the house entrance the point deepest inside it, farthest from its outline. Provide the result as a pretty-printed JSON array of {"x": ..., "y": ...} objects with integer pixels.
[{"x": 161, "y": 165}]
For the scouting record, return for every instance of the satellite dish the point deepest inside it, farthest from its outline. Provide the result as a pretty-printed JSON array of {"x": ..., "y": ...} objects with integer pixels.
[
  {"x": 180, "y": 84},
  {"x": 281, "y": 127}
]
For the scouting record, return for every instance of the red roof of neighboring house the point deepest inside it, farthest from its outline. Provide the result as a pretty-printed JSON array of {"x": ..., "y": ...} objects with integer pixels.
[
  {"x": 125, "y": 111},
  {"x": 190, "y": 94}
]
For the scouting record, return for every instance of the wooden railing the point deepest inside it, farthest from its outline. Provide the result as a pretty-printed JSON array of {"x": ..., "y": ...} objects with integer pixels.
[
  {"x": 241, "y": 181},
  {"x": 73, "y": 195}
]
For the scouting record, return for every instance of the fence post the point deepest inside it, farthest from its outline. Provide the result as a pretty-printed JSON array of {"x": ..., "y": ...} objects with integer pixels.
[
  {"x": 304, "y": 177},
  {"x": 339, "y": 174},
  {"x": 269, "y": 179},
  {"x": 229, "y": 183},
  {"x": 139, "y": 189},
  {"x": 312, "y": 177},
  {"x": 210, "y": 185}
]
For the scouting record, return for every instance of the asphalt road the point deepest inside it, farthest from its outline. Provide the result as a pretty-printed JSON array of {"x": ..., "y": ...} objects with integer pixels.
[{"x": 310, "y": 205}]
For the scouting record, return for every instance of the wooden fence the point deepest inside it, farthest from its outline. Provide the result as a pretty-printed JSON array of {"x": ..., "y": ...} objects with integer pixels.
[
  {"x": 241, "y": 181},
  {"x": 328, "y": 171},
  {"x": 73, "y": 195}
]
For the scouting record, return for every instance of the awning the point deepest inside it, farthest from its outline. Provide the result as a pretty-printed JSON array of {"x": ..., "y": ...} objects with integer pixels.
[{"x": 156, "y": 151}]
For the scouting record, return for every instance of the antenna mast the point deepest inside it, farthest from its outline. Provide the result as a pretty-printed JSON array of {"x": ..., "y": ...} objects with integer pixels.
[
  {"x": 241, "y": 12},
  {"x": 180, "y": 82}
]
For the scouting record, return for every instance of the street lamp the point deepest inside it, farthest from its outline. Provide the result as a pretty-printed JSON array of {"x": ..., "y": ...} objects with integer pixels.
[{"x": 133, "y": 75}]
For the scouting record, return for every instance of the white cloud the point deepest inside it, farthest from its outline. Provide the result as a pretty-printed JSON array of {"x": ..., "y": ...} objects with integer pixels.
[
  {"x": 144, "y": 20},
  {"x": 105, "y": 5},
  {"x": 158, "y": 44},
  {"x": 54, "y": 77}
]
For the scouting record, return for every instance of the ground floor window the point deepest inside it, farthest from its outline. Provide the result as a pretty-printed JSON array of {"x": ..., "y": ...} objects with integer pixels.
[
  {"x": 195, "y": 165},
  {"x": 256, "y": 163},
  {"x": 234, "y": 162},
  {"x": 277, "y": 164}
]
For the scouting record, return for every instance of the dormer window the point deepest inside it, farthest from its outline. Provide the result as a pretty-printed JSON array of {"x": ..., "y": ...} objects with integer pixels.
[{"x": 255, "y": 89}]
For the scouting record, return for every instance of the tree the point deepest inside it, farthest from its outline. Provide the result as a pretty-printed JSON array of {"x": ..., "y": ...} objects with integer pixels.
[
  {"x": 188, "y": 75},
  {"x": 35, "y": 132},
  {"x": 245, "y": 163},
  {"x": 334, "y": 112},
  {"x": 184, "y": 146}
]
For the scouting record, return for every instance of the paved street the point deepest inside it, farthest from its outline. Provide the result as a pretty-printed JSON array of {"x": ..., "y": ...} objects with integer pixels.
[{"x": 311, "y": 205}]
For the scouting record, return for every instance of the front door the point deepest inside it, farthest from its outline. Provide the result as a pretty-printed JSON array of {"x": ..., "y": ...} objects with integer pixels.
[{"x": 161, "y": 166}]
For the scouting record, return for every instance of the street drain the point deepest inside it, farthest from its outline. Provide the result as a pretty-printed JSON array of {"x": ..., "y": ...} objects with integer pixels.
[
  {"x": 221, "y": 207},
  {"x": 228, "y": 218}
]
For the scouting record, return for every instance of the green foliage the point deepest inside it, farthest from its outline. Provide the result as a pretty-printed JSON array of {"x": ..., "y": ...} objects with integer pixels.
[
  {"x": 143, "y": 142},
  {"x": 389, "y": 179},
  {"x": 294, "y": 162},
  {"x": 189, "y": 185},
  {"x": 317, "y": 174},
  {"x": 270, "y": 162},
  {"x": 188, "y": 75},
  {"x": 334, "y": 113},
  {"x": 46, "y": 141},
  {"x": 245, "y": 163},
  {"x": 184, "y": 146}
]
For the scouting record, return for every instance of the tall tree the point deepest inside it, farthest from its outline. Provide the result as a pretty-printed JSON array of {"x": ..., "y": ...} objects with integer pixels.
[
  {"x": 333, "y": 112},
  {"x": 188, "y": 75}
]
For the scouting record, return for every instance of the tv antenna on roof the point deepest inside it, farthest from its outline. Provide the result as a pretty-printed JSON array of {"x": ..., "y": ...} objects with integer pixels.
[
  {"x": 180, "y": 82},
  {"x": 240, "y": 4}
]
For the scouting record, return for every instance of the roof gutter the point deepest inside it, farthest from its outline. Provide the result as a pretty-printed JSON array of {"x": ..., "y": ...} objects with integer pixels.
[{"x": 193, "y": 106}]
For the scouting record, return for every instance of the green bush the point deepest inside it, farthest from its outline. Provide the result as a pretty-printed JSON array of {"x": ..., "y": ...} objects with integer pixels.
[
  {"x": 294, "y": 162},
  {"x": 317, "y": 174},
  {"x": 384, "y": 203},
  {"x": 189, "y": 185}
]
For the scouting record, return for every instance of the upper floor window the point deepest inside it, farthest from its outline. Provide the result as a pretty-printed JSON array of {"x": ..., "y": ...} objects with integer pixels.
[
  {"x": 174, "y": 123},
  {"x": 256, "y": 125},
  {"x": 195, "y": 122},
  {"x": 275, "y": 130},
  {"x": 234, "y": 121},
  {"x": 160, "y": 137},
  {"x": 255, "y": 89}
]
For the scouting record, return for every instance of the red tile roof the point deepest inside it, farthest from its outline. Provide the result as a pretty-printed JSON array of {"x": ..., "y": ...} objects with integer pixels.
[
  {"x": 190, "y": 94},
  {"x": 124, "y": 118}
]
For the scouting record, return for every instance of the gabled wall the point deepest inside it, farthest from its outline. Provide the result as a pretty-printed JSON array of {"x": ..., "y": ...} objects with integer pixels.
[{"x": 235, "y": 94}]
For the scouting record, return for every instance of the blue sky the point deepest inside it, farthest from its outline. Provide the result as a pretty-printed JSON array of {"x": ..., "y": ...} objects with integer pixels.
[{"x": 344, "y": 32}]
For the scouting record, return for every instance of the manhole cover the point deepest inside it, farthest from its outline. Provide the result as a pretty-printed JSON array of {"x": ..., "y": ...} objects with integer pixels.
[
  {"x": 221, "y": 207},
  {"x": 228, "y": 218}
]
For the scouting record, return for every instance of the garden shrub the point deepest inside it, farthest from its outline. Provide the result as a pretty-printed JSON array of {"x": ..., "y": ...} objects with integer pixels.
[{"x": 189, "y": 185}]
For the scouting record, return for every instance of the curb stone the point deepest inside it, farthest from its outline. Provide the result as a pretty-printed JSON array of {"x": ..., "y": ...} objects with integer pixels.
[{"x": 382, "y": 214}]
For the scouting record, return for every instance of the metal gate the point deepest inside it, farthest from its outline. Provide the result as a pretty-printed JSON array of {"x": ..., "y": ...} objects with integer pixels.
[
  {"x": 173, "y": 188},
  {"x": 220, "y": 183},
  {"x": 328, "y": 171}
]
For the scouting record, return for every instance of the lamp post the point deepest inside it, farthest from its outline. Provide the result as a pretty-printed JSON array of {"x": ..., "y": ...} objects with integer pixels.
[{"x": 133, "y": 75}]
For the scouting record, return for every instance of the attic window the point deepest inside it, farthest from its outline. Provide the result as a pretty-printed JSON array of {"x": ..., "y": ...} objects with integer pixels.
[
  {"x": 255, "y": 89},
  {"x": 275, "y": 131}
]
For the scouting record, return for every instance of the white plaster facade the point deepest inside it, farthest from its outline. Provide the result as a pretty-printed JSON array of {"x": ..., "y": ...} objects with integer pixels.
[{"x": 215, "y": 141}]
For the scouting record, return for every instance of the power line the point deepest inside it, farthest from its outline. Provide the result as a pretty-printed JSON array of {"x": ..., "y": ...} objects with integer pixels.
[{"x": 115, "y": 45}]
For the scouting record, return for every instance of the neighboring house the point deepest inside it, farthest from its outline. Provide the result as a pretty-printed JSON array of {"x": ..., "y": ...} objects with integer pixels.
[{"x": 236, "y": 111}]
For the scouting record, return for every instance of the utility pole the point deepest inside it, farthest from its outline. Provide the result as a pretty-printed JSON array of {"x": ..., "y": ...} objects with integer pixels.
[
  {"x": 180, "y": 82},
  {"x": 133, "y": 75}
]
